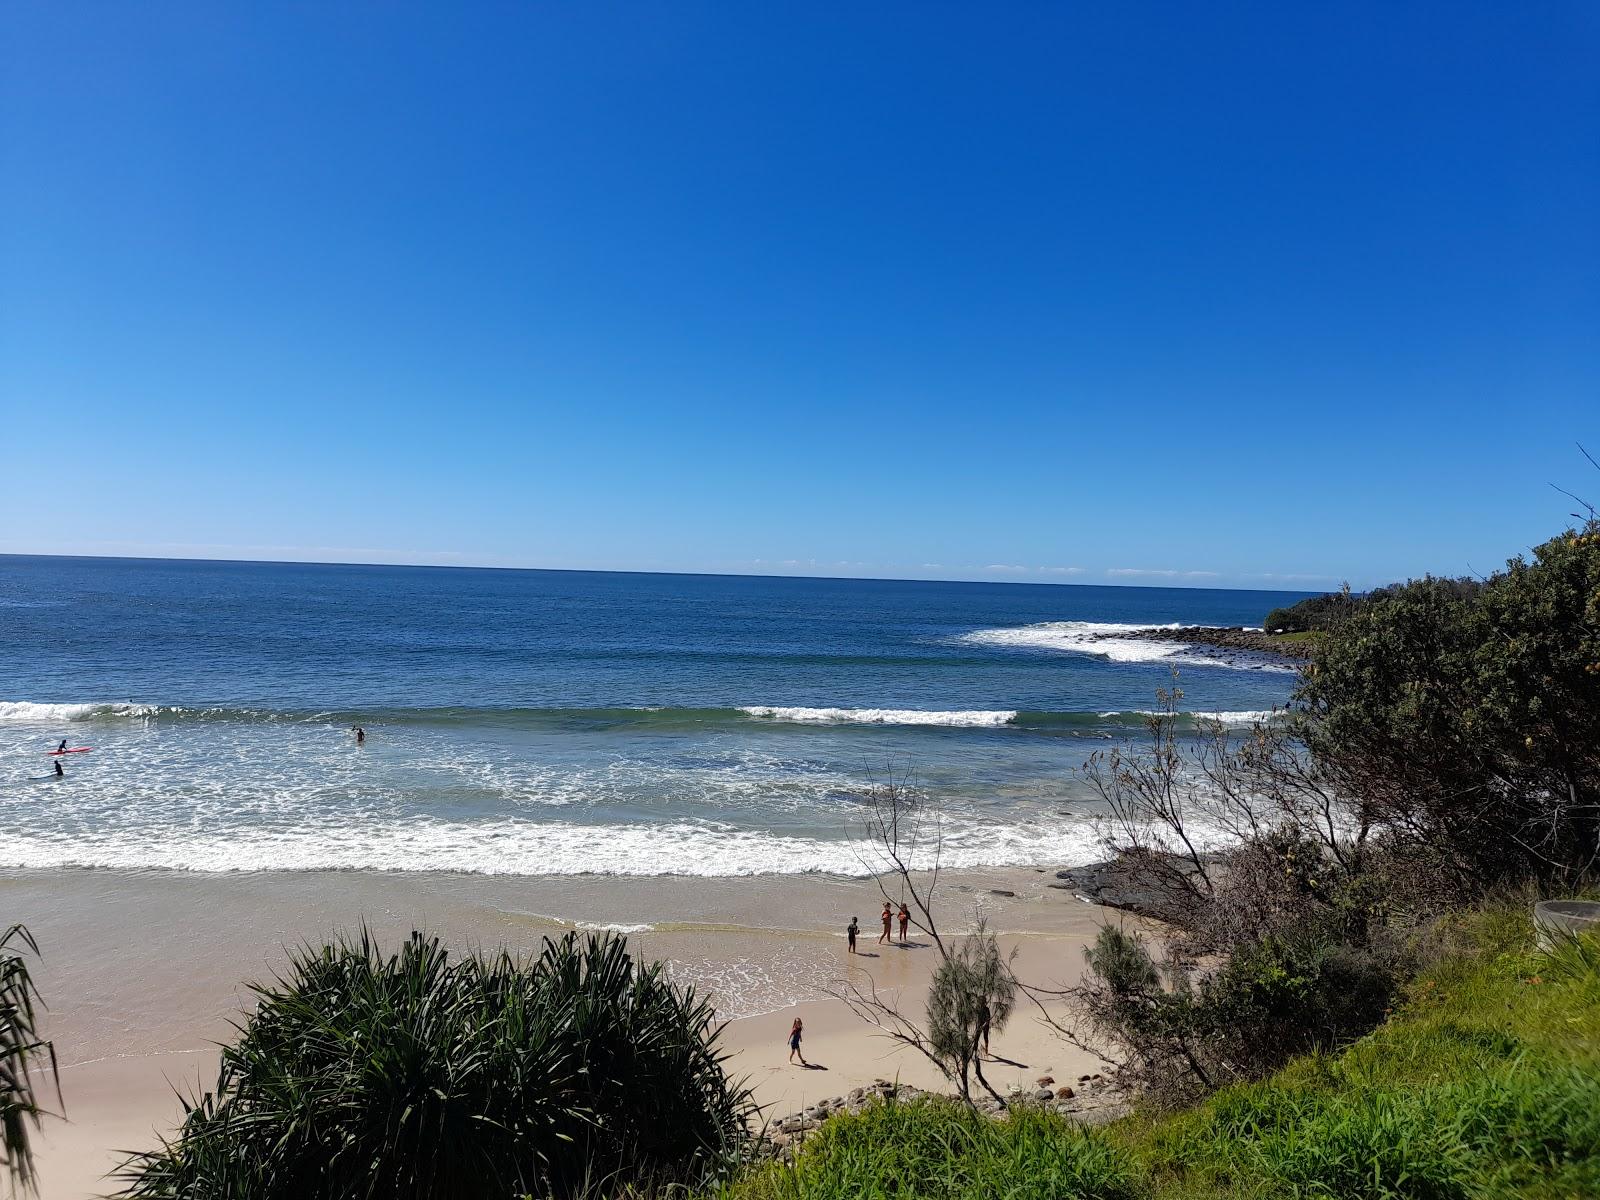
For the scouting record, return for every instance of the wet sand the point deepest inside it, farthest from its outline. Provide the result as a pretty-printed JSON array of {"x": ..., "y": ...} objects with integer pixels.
[{"x": 144, "y": 972}]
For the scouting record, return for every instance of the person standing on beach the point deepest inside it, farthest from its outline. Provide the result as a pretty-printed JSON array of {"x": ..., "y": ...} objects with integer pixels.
[
  {"x": 794, "y": 1043},
  {"x": 984, "y": 1020},
  {"x": 850, "y": 932},
  {"x": 887, "y": 917},
  {"x": 905, "y": 919}
]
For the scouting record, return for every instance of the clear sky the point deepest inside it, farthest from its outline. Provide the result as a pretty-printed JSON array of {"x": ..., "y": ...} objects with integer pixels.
[{"x": 1267, "y": 295}]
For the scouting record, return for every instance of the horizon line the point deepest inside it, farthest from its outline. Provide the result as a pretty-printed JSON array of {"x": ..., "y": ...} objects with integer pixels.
[{"x": 291, "y": 562}]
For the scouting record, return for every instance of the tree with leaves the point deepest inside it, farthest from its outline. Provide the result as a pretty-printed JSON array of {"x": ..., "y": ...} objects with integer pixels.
[{"x": 972, "y": 995}]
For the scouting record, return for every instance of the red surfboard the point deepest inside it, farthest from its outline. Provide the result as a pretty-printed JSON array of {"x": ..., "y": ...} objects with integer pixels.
[{"x": 71, "y": 750}]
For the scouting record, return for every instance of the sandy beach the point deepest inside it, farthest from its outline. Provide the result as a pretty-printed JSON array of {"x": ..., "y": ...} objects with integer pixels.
[{"x": 144, "y": 971}]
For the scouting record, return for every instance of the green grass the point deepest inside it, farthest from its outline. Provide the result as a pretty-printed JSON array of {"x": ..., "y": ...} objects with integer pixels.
[
  {"x": 1308, "y": 635},
  {"x": 1485, "y": 1083},
  {"x": 931, "y": 1149}
]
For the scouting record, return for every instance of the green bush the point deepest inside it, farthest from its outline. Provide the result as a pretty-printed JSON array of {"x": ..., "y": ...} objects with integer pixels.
[
  {"x": 419, "y": 1075},
  {"x": 1314, "y": 614},
  {"x": 1485, "y": 1085},
  {"x": 1275, "y": 997},
  {"x": 1466, "y": 722},
  {"x": 940, "y": 1150}
]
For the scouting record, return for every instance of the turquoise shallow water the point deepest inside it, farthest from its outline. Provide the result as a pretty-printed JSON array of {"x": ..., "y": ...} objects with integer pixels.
[{"x": 539, "y": 722}]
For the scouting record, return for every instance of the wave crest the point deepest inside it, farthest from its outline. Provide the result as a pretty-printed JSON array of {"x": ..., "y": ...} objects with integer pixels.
[
  {"x": 1108, "y": 640},
  {"x": 28, "y": 710},
  {"x": 968, "y": 718}
]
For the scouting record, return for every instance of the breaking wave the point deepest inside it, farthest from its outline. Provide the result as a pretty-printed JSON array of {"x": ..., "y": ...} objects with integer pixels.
[
  {"x": 651, "y": 718},
  {"x": 1114, "y": 642},
  {"x": 28, "y": 710},
  {"x": 971, "y": 718},
  {"x": 520, "y": 848}
]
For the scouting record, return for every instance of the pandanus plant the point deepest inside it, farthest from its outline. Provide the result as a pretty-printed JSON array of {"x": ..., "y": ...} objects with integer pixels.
[
  {"x": 22, "y": 1053},
  {"x": 418, "y": 1074}
]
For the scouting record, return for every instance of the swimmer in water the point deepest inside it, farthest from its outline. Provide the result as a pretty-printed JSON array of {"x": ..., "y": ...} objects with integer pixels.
[
  {"x": 361, "y": 734},
  {"x": 60, "y": 774}
]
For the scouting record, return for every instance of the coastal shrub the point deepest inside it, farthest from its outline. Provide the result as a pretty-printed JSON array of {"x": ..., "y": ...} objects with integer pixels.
[
  {"x": 1467, "y": 724},
  {"x": 416, "y": 1074},
  {"x": 1485, "y": 1084},
  {"x": 1444, "y": 742},
  {"x": 940, "y": 1150},
  {"x": 22, "y": 1055},
  {"x": 1180, "y": 1033},
  {"x": 1273, "y": 946},
  {"x": 1313, "y": 614}
]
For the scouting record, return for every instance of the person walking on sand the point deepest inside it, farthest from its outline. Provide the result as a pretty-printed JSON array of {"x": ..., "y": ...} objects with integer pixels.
[
  {"x": 984, "y": 1019},
  {"x": 905, "y": 919},
  {"x": 850, "y": 932},
  {"x": 794, "y": 1042},
  {"x": 887, "y": 918}
]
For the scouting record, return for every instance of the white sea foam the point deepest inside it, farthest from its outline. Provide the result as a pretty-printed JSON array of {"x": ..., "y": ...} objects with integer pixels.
[
  {"x": 614, "y": 927},
  {"x": 1240, "y": 718},
  {"x": 28, "y": 710},
  {"x": 1103, "y": 639},
  {"x": 507, "y": 847},
  {"x": 970, "y": 718},
  {"x": 1250, "y": 717}
]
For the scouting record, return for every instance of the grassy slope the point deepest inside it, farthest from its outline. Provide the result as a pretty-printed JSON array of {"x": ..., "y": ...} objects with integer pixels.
[
  {"x": 1295, "y": 639},
  {"x": 1486, "y": 1083}
]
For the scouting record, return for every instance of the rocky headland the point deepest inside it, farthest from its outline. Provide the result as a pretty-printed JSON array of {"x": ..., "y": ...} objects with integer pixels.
[{"x": 1236, "y": 639}]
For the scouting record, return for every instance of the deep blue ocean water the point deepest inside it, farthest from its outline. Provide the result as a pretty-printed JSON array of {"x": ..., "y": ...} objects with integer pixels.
[{"x": 544, "y": 722}]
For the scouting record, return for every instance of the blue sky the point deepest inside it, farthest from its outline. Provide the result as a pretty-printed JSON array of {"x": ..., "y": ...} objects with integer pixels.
[{"x": 1271, "y": 295}]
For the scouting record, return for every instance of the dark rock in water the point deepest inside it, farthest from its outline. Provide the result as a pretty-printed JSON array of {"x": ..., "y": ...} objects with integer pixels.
[{"x": 1000, "y": 892}]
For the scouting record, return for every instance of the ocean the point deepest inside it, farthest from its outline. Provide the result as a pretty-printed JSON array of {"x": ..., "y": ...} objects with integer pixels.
[{"x": 561, "y": 723}]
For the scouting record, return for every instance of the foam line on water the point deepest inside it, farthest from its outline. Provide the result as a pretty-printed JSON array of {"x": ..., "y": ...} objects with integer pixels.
[
  {"x": 508, "y": 847},
  {"x": 28, "y": 710},
  {"x": 645, "y": 718},
  {"x": 1247, "y": 717},
  {"x": 1102, "y": 639},
  {"x": 967, "y": 718}
]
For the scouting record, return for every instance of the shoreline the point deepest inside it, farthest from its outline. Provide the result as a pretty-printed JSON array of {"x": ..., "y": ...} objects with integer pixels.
[{"x": 144, "y": 971}]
